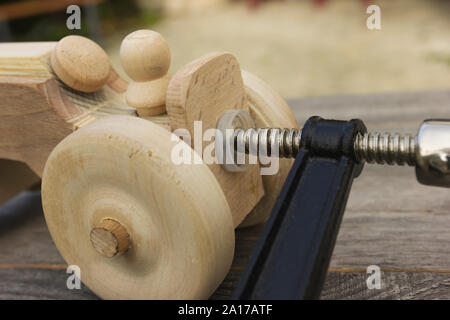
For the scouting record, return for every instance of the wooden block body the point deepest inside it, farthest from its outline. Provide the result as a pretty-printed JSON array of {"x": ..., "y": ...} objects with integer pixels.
[{"x": 37, "y": 110}]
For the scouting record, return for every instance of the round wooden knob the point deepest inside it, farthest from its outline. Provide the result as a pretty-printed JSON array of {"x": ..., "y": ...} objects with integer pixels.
[
  {"x": 80, "y": 63},
  {"x": 110, "y": 238},
  {"x": 145, "y": 57}
]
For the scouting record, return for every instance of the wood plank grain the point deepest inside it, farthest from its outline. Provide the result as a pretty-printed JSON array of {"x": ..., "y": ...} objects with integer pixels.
[
  {"x": 378, "y": 111},
  {"x": 42, "y": 284},
  {"x": 405, "y": 240},
  {"x": 352, "y": 285},
  {"x": 408, "y": 241},
  {"x": 395, "y": 189},
  {"x": 394, "y": 285},
  {"x": 51, "y": 284}
]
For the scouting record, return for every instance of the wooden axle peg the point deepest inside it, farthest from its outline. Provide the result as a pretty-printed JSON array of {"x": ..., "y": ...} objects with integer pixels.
[
  {"x": 145, "y": 57},
  {"x": 110, "y": 238},
  {"x": 80, "y": 63}
]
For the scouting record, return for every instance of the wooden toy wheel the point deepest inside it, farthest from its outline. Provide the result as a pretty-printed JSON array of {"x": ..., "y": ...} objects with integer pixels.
[
  {"x": 269, "y": 110},
  {"x": 136, "y": 224}
]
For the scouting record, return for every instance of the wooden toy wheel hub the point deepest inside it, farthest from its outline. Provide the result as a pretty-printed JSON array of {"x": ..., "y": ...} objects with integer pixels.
[{"x": 110, "y": 238}]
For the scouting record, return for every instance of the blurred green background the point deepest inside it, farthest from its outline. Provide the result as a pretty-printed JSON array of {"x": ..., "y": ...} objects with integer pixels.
[{"x": 302, "y": 48}]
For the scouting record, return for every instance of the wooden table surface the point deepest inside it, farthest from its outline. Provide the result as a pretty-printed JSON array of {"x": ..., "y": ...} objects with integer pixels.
[{"x": 391, "y": 221}]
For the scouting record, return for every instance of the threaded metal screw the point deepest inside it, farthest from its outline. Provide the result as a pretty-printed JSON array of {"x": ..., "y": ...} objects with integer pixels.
[
  {"x": 287, "y": 140},
  {"x": 385, "y": 148},
  {"x": 372, "y": 147}
]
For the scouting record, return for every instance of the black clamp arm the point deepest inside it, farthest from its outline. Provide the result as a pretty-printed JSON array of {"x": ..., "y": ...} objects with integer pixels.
[{"x": 292, "y": 256}]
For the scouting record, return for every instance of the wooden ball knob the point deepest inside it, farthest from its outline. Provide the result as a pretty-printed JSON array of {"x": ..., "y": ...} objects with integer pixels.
[
  {"x": 110, "y": 238},
  {"x": 145, "y": 57},
  {"x": 80, "y": 63}
]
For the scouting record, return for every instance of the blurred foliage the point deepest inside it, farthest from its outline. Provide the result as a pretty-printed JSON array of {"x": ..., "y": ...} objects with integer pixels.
[
  {"x": 105, "y": 18},
  {"x": 440, "y": 57},
  {"x": 150, "y": 17}
]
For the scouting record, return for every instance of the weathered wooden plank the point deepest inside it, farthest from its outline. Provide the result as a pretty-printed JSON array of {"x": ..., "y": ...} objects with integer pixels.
[
  {"x": 352, "y": 285},
  {"x": 407, "y": 240},
  {"x": 39, "y": 284},
  {"x": 395, "y": 189},
  {"x": 51, "y": 284},
  {"x": 394, "y": 285},
  {"x": 378, "y": 111}
]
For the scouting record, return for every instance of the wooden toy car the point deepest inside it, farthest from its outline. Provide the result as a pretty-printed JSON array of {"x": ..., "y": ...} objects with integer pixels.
[{"x": 137, "y": 224}]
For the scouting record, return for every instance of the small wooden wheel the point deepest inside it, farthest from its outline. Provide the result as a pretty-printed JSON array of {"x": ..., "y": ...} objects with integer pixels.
[
  {"x": 269, "y": 110},
  {"x": 137, "y": 225}
]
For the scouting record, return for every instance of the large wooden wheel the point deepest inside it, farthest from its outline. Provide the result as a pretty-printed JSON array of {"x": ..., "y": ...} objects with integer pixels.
[{"x": 137, "y": 225}]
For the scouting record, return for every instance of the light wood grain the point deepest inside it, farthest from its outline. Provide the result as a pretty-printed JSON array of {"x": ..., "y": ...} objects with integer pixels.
[
  {"x": 202, "y": 91},
  {"x": 30, "y": 126},
  {"x": 37, "y": 110},
  {"x": 80, "y": 63}
]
